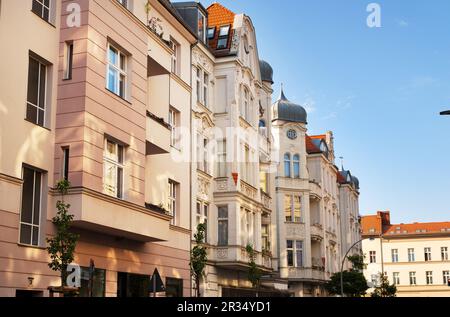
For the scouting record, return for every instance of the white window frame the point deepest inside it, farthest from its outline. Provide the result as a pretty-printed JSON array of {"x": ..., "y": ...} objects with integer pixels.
[
  {"x": 429, "y": 277},
  {"x": 372, "y": 256},
  {"x": 293, "y": 217},
  {"x": 444, "y": 253},
  {"x": 117, "y": 69},
  {"x": 39, "y": 107},
  {"x": 222, "y": 158},
  {"x": 224, "y": 221},
  {"x": 394, "y": 254},
  {"x": 32, "y": 225},
  {"x": 296, "y": 251},
  {"x": 114, "y": 161},
  {"x": 396, "y": 278},
  {"x": 411, "y": 255},
  {"x": 175, "y": 59},
  {"x": 68, "y": 60},
  {"x": 412, "y": 278},
  {"x": 174, "y": 121},
  {"x": 427, "y": 254},
  {"x": 296, "y": 162},
  {"x": 173, "y": 200},
  {"x": 445, "y": 276},
  {"x": 265, "y": 236},
  {"x": 124, "y": 3},
  {"x": 43, "y": 6}
]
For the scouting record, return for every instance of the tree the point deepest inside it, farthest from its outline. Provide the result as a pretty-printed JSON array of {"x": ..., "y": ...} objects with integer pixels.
[
  {"x": 384, "y": 289},
  {"x": 254, "y": 273},
  {"x": 199, "y": 257},
  {"x": 354, "y": 282},
  {"x": 61, "y": 246}
]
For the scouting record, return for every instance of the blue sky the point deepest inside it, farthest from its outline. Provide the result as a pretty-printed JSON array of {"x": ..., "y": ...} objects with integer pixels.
[{"x": 378, "y": 89}]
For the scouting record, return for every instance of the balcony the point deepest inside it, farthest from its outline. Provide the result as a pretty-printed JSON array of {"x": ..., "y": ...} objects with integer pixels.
[
  {"x": 157, "y": 135},
  {"x": 288, "y": 182},
  {"x": 266, "y": 201},
  {"x": 248, "y": 190},
  {"x": 236, "y": 258},
  {"x": 318, "y": 264},
  {"x": 317, "y": 233},
  {"x": 306, "y": 274},
  {"x": 108, "y": 215}
]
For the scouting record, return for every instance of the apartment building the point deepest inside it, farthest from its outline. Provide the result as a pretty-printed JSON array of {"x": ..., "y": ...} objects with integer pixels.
[
  {"x": 231, "y": 146},
  {"x": 413, "y": 256},
  {"x": 312, "y": 202},
  {"x": 94, "y": 92}
]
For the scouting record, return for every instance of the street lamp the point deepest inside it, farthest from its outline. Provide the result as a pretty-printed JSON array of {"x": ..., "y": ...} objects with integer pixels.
[
  {"x": 348, "y": 251},
  {"x": 445, "y": 113}
]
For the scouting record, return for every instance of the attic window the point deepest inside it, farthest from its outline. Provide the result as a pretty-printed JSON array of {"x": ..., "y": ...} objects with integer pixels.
[
  {"x": 222, "y": 42},
  {"x": 211, "y": 33}
]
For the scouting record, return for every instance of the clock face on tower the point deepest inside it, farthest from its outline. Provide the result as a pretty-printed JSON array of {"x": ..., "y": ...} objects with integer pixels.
[{"x": 292, "y": 134}]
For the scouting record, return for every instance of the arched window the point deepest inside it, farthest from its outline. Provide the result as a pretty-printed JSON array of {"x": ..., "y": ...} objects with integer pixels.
[
  {"x": 296, "y": 166},
  {"x": 262, "y": 127},
  {"x": 262, "y": 123},
  {"x": 287, "y": 165}
]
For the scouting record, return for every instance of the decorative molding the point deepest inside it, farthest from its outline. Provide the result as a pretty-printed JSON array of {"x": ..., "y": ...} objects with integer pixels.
[{"x": 11, "y": 179}]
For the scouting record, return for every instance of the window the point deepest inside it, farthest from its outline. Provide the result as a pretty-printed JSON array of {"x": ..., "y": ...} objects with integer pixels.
[
  {"x": 246, "y": 105},
  {"x": 288, "y": 208},
  {"x": 294, "y": 253},
  {"x": 37, "y": 89},
  {"x": 444, "y": 253},
  {"x": 175, "y": 57},
  {"x": 202, "y": 87},
  {"x": 427, "y": 254},
  {"x": 202, "y": 27},
  {"x": 199, "y": 85},
  {"x": 97, "y": 288},
  {"x": 113, "y": 162},
  {"x": 396, "y": 278},
  {"x": 411, "y": 255},
  {"x": 262, "y": 127},
  {"x": 116, "y": 80},
  {"x": 296, "y": 166},
  {"x": 263, "y": 183},
  {"x": 202, "y": 216},
  {"x": 205, "y": 89},
  {"x": 297, "y": 209},
  {"x": 429, "y": 277},
  {"x": 30, "y": 215},
  {"x": 222, "y": 158},
  {"x": 42, "y": 9},
  {"x": 394, "y": 255},
  {"x": 202, "y": 154},
  {"x": 247, "y": 166},
  {"x": 124, "y": 3},
  {"x": 222, "y": 41},
  {"x": 211, "y": 33},
  {"x": 412, "y": 278},
  {"x": 372, "y": 256},
  {"x": 374, "y": 279},
  {"x": 68, "y": 61},
  {"x": 222, "y": 225},
  {"x": 174, "y": 287},
  {"x": 65, "y": 165},
  {"x": 287, "y": 165},
  {"x": 445, "y": 277},
  {"x": 265, "y": 242},
  {"x": 173, "y": 201},
  {"x": 173, "y": 124}
]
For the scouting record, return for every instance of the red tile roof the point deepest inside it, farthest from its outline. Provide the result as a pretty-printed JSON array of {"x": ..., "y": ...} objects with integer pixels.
[
  {"x": 319, "y": 137},
  {"x": 311, "y": 148},
  {"x": 340, "y": 178},
  {"x": 380, "y": 223},
  {"x": 219, "y": 16}
]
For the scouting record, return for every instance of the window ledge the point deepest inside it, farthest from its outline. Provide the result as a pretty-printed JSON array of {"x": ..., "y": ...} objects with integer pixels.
[
  {"x": 23, "y": 245},
  {"x": 117, "y": 96},
  {"x": 48, "y": 22},
  {"x": 33, "y": 123}
]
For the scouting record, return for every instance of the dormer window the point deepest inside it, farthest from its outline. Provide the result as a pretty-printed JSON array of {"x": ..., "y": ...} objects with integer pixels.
[
  {"x": 202, "y": 27},
  {"x": 222, "y": 41},
  {"x": 211, "y": 33}
]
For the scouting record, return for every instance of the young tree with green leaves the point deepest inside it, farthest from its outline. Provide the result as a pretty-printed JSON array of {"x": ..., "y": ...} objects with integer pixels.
[
  {"x": 384, "y": 289},
  {"x": 254, "y": 273},
  {"x": 199, "y": 257},
  {"x": 61, "y": 246}
]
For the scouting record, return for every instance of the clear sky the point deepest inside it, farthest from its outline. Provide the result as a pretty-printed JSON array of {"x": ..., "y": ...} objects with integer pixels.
[{"x": 379, "y": 90}]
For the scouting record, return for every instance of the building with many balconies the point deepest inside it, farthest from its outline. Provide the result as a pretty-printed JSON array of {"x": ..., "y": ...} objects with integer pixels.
[{"x": 97, "y": 104}]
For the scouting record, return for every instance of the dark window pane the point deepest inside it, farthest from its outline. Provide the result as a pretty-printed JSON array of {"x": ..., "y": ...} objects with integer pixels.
[
  {"x": 27, "y": 195},
  {"x": 33, "y": 79},
  {"x": 41, "y": 116},
  {"x": 32, "y": 113},
  {"x": 25, "y": 234},
  {"x": 290, "y": 258},
  {"x": 37, "y": 199},
  {"x": 42, "y": 82},
  {"x": 35, "y": 236},
  {"x": 174, "y": 287},
  {"x": 37, "y": 8},
  {"x": 119, "y": 182},
  {"x": 98, "y": 283},
  {"x": 46, "y": 14},
  {"x": 47, "y": 3}
]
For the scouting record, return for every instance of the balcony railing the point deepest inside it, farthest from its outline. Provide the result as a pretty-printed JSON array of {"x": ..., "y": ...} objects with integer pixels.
[
  {"x": 248, "y": 190},
  {"x": 266, "y": 200}
]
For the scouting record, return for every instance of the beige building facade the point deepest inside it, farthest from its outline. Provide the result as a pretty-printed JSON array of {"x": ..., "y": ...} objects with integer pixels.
[
  {"x": 414, "y": 257},
  {"x": 99, "y": 111}
]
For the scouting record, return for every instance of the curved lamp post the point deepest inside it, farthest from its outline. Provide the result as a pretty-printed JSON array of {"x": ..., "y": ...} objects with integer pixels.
[
  {"x": 445, "y": 113},
  {"x": 348, "y": 251}
]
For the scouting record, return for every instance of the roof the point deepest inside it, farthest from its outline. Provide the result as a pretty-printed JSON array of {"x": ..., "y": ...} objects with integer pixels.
[
  {"x": 374, "y": 225},
  {"x": 266, "y": 71},
  {"x": 169, "y": 7},
  {"x": 219, "y": 16},
  {"x": 319, "y": 137},
  {"x": 285, "y": 110},
  {"x": 340, "y": 179},
  {"x": 311, "y": 148}
]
